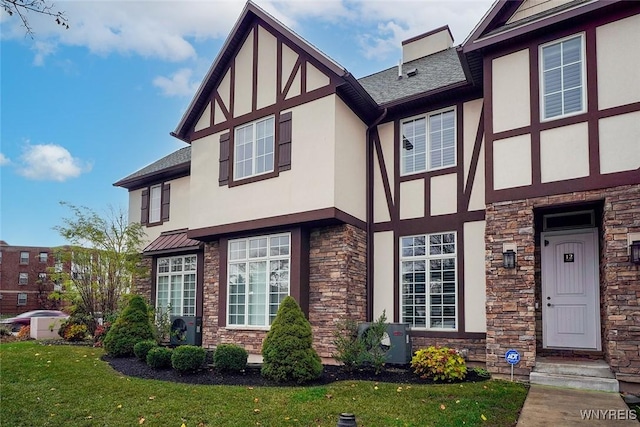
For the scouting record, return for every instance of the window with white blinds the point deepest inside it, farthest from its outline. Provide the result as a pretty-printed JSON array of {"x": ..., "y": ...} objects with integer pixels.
[
  {"x": 562, "y": 77},
  {"x": 429, "y": 142}
]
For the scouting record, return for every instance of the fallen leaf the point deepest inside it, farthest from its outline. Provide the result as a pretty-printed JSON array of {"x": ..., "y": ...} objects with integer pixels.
[
  {"x": 442, "y": 407},
  {"x": 119, "y": 406},
  {"x": 52, "y": 389},
  {"x": 151, "y": 397},
  {"x": 256, "y": 411},
  {"x": 183, "y": 425},
  {"x": 141, "y": 420},
  {"x": 457, "y": 401},
  {"x": 256, "y": 400},
  {"x": 249, "y": 388},
  {"x": 37, "y": 354},
  {"x": 328, "y": 396},
  {"x": 88, "y": 417},
  {"x": 483, "y": 417},
  {"x": 399, "y": 389},
  {"x": 375, "y": 388}
]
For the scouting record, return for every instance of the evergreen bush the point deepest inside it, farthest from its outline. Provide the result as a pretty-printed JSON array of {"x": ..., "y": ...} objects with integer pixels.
[
  {"x": 159, "y": 357},
  {"x": 132, "y": 326},
  {"x": 188, "y": 358},
  {"x": 230, "y": 357},
  {"x": 287, "y": 350},
  {"x": 142, "y": 348}
]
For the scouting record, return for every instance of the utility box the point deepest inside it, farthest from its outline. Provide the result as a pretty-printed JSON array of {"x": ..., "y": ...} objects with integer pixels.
[
  {"x": 396, "y": 341},
  {"x": 186, "y": 330}
]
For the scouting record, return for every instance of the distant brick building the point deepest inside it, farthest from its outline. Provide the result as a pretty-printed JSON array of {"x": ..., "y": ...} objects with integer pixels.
[{"x": 25, "y": 282}]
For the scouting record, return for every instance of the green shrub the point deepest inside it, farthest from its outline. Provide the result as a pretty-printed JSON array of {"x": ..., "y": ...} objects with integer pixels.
[
  {"x": 361, "y": 351},
  {"x": 132, "y": 326},
  {"x": 5, "y": 331},
  {"x": 75, "y": 332},
  {"x": 230, "y": 357},
  {"x": 481, "y": 372},
  {"x": 287, "y": 350},
  {"x": 142, "y": 348},
  {"x": 159, "y": 357},
  {"x": 439, "y": 363},
  {"x": 188, "y": 358}
]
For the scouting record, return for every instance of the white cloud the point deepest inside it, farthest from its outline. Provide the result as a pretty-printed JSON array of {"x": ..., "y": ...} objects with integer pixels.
[
  {"x": 4, "y": 160},
  {"x": 50, "y": 162},
  {"x": 179, "y": 84},
  {"x": 42, "y": 49}
]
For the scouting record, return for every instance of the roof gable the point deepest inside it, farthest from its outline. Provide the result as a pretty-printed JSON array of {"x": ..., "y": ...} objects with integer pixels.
[{"x": 262, "y": 63}]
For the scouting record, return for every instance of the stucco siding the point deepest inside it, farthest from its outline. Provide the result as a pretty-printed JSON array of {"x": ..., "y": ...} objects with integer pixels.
[
  {"x": 512, "y": 162},
  {"x": 412, "y": 199},
  {"x": 444, "y": 193},
  {"x": 474, "y": 277},
  {"x": 619, "y": 145},
  {"x": 564, "y": 152},
  {"x": 267, "y": 68},
  {"x": 510, "y": 91},
  {"x": 243, "y": 84},
  {"x": 383, "y": 279}
]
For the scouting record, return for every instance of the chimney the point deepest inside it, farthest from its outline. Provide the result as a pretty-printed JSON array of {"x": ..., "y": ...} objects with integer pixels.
[{"x": 427, "y": 44}]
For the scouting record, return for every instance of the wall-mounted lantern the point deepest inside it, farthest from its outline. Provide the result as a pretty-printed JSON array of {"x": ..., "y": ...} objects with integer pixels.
[
  {"x": 633, "y": 239},
  {"x": 509, "y": 251}
]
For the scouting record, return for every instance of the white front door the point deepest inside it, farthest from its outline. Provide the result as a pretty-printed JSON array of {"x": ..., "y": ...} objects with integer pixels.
[{"x": 570, "y": 291}]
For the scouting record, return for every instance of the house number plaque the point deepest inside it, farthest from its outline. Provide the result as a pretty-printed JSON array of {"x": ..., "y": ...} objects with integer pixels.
[{"x": 568, "y": 257}]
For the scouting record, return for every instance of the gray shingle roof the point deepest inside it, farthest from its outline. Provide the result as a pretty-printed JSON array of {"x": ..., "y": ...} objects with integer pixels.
[
  {"x": 176, "y": 158},
  {"x": 433, "y": 72}
]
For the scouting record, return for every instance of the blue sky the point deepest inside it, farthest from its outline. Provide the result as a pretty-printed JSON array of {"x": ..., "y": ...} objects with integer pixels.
[{"x": 84, "y": 107}]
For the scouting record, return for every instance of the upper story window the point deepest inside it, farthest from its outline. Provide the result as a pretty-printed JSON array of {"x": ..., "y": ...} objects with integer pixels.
[
  {"x": 155, "y": 203},
  {"x": 22, "y": 299},
  {"x": 43, "y": 257},
  {"x": 176, "y": 285},
  {"x": 23, "y": 278},
  {"x": 428, "y": 281},
  {"x": 258, "y": 279},
  {"x": 154, "y": 207},
  {"x": 562, "y": 71},
  {"x": 429, "y": 142},
  {"x": 254, "y": 148},
  {"x": 24, "y": 257}
]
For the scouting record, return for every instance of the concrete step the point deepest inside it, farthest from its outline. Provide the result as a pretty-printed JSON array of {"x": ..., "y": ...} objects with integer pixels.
[
  {"x": 580, "y": 368},
  {"x": 574, "y": 381}
]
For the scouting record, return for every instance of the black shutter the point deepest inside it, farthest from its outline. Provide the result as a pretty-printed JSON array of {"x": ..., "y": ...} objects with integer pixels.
[
  {"x": 144, "y": 211},
  {"x": 284, "y": 143},
  {"x": 223, "y": 176},
  {"x": 166, "y": 199}
]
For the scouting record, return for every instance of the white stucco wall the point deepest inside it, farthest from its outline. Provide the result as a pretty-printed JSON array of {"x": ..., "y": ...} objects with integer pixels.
[
  {"x": 267, "y": 68},
  {"x": 444, "y": 194},
  {"x": 412, "y": 199},
  {"x": 618, "y": 52},
  {"x": 380, "y": 206},
  {"x": 564, "y": 152},
  {"x": 619, "y": 143},
  {"x": 426, "y": 46},
  {"x": 243, "y": 84},
  {"x": 383, "y": 288},
  {"x": 510, "y": 91},
  {"x": 315, "y": 78},
  {"x": 512, "y": 162},
  {"x": 474, "y": 277},
  {"x": 205, "y": 119}
]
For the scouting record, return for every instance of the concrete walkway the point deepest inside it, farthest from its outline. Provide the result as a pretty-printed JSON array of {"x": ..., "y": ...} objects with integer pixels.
[{"x": 566, "y": 407}]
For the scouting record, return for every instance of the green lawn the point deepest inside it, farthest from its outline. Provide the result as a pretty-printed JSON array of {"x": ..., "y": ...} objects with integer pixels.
[{"x": 71, "y": 386}]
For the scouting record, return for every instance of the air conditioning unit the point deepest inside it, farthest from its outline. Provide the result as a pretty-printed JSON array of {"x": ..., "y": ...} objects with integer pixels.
[
  {"x": 396, "y": 341},
  {"x": 186, "y": 330}
]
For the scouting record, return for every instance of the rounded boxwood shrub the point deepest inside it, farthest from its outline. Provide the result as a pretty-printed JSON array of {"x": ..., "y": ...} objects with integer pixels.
[
  {"x": 230, "y": 357},
  {"x": 132, "y": 326},
  {"x": 142, "y": 348},
  {"x": 159, "y": 357},
  {"x": 188, "y": 358},
  {"x": 287, "y": 350},
  {"x": 439, "y": 363}
]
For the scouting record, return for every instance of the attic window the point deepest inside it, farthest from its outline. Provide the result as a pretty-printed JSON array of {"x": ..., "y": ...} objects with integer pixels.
[{"x": 412, "y": 72}]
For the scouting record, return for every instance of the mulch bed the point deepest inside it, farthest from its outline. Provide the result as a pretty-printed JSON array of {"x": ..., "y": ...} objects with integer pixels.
[{"x": 131, "y": 366}]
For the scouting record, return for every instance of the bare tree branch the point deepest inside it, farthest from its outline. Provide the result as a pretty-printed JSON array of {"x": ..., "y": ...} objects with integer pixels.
[{"x": 23, "y": 7}]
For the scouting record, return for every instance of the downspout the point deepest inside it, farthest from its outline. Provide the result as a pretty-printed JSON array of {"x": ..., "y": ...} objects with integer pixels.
[{"x": 369, "y": 201}]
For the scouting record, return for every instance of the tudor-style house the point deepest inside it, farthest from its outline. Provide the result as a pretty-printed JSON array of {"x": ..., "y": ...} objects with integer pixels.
[{"x": 486, "y": 193}]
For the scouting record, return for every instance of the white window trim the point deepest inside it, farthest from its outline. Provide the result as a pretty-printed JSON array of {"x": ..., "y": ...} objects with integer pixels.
[
  {"x": 152, "y": 209},
  {"x": 583, "y": 65},
  {"x": 181, "y": 273},
  {"x": 229, "y": 325},
  {"x": 253, "y": 155},
  {"x": 428, "y": 257},
  {"x": 20, "y": 276},
  {"x": 426, "y": 116},
  {"x": 41, "y": 258},
  {"x": 27, "y": 259},
  {"x": 25, "y": 299}
]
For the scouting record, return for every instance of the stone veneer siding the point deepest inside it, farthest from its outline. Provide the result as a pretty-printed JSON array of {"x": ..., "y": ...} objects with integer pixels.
[
  {"x": 142, "y": 283},
  {"x": 337, "y": 288},
  {"x": 511, "y": 294},
  {"x": 474, "y": 349}
]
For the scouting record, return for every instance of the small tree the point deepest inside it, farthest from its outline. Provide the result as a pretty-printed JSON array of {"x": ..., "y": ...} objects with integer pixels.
[
  {"x": 97, "y": 269},
  {"x": 131, "y": 327},
  {"x": 287, "y": 350}
]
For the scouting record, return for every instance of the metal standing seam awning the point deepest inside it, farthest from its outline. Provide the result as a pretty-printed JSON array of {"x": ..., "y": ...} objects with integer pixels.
[{"x": 171, "y": 242}]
